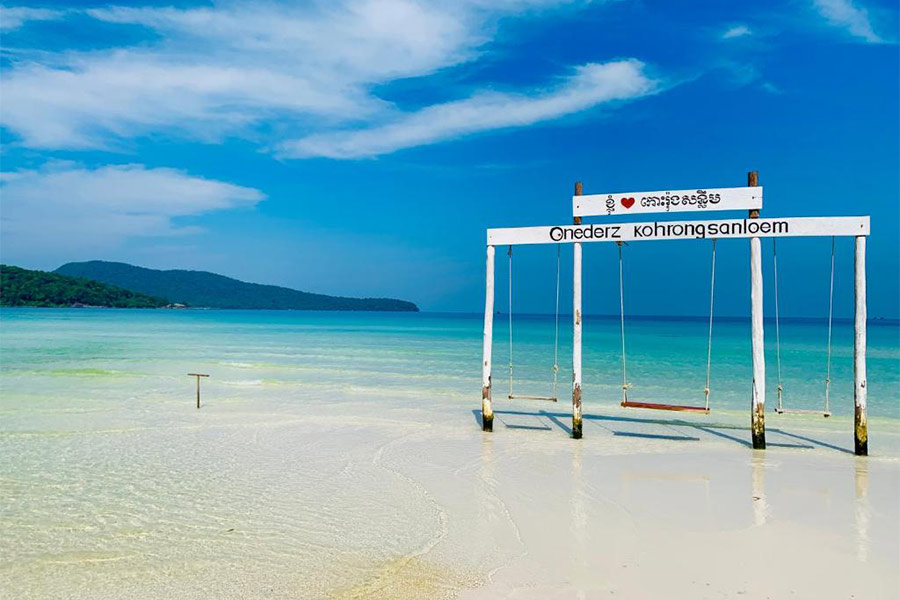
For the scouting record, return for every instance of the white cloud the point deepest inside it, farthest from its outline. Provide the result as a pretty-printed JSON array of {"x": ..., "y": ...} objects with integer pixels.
[
  {"x": 70, "y": 208},
  {"x": 736, "y": 32},
  {"x": 13, "y": 17},
  {"x": 355, "y": 40},
  {"x": 272, "y": 72},
  {"x": 224, "y": 70},
  {"x": 847, "y": 15},
  {"x": 99, "y": 100},
  {"x": 589, "y": 86}
]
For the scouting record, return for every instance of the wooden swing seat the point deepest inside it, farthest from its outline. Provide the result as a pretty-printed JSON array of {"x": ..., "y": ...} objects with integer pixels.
[
  {"x": 798, "y": 411},
  {"x": 523, "y": 397},
  {"x": 656, "y": 406}
]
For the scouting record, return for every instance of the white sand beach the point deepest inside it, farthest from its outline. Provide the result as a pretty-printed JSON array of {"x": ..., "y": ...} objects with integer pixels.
[
  {"x": 338, "y": 457},
  {"x": 269, "y": 268},
  {"x": 355, "y": 500}
]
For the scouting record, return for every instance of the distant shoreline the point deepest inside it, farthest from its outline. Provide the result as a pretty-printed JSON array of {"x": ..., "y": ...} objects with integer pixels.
[
  {"x": 100, "y": 284},
  {"x": 876, "y": 321},
  {"x": 211, "y": 308}
]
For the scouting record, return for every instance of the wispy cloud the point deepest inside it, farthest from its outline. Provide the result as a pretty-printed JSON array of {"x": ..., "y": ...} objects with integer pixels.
[
  {"x": 96, "y": 101},
  {"x": 13, "y": 17},
  {"x": 736, "y": 31},
  {"x": 75, "y": 208},
  {"x": 589, "y": 86},
  {"x": 221, "y": 71},
  {"x": 850, "y": 17},
  {"x": 307, "y": 74}
]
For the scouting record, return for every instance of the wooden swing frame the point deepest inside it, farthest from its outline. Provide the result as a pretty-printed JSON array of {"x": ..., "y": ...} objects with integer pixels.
[{"x": 753, "y": 229}]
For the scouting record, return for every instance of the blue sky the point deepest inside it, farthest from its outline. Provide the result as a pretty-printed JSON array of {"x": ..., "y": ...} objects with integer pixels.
[{"x": 362, "y": 148}]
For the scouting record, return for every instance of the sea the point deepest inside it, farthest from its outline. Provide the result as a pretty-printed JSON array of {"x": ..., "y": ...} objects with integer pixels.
[
  {"x": 57, "y": 359},
  {"x": 113, "y": 482}
]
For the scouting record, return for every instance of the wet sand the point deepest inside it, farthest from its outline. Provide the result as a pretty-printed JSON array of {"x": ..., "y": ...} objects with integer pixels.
[
  {"x": 360, "y": 499},
  {"x": 342, "y": 457}
]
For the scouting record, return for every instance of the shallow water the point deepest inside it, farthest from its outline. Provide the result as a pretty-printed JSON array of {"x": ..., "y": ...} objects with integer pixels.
[
  {"x": 335, "y": 451},
  {"x": 106, "y": 352}
]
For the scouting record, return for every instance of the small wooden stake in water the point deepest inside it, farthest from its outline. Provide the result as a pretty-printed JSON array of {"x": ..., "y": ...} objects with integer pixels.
[{"x": 198, "y": 376}]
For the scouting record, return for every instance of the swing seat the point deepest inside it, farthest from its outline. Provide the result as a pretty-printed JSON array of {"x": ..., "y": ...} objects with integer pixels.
[
  {"x": 799, "y": 411},
  {"x": 657, "y": 406},
  {"x": 523, "y": 397}
]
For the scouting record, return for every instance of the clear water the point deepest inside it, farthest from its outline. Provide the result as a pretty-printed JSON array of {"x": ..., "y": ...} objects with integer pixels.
[
  {"x": 293, "y": 480},
  {"x": 666, "y": 361},
  {"x": 52, "y": 357}
]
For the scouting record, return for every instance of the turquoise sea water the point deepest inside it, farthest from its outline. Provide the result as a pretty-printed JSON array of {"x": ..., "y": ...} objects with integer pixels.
[
  {"x": 339, "y": 448},
  {"x": 66, "y": 356}
]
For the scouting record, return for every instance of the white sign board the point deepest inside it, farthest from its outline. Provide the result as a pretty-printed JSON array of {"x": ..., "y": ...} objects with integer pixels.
[
  {"x": 681, "y": 230},
  {"x": 740, "y": 198}
]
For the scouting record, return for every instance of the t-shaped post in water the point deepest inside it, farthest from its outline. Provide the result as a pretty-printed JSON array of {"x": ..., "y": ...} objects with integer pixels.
[{"x": 198, "y": 376}]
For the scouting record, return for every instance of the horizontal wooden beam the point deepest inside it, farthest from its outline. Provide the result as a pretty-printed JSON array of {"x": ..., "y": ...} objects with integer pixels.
[{"x": 681, "y": 230}]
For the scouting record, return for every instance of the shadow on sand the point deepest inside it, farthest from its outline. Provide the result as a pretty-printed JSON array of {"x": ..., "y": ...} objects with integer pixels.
[{"x": 660, "y": 429}]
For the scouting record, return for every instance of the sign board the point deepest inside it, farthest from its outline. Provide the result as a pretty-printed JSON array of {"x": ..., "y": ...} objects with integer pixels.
[
  {"x": 740, "y": 198},
  {"x": 681, "y": 230}
]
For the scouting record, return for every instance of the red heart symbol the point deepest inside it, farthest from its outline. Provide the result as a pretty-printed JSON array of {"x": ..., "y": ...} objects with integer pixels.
[{"x": 627, "y": 202}]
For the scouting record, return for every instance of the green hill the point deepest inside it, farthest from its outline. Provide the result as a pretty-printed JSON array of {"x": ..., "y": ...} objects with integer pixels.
[
  {"x": 23, "y": 287},
  {"x": 203, "y": 289}
]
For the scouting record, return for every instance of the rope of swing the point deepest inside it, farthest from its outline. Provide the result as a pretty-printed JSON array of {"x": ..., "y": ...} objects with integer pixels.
[
  {"x": 556, "y": 338},
  {"x": 625, "y": 384},
  {"x": 556, "y": 323},
  {"x": 712, "y": 290},
  {"x": 510, "y": 269},
  {"x": 712, "y": 295},
  {"x": 779, "y": 389},
  {"x": 830, "y": 314}
]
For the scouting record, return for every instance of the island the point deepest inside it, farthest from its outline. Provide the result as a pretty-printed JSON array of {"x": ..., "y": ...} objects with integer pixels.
[
  {"x": 209, "y": 290},
  {"x": 25, "y": 287}
]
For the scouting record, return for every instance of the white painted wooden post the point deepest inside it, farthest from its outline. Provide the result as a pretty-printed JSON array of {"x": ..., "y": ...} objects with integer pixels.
[
  {"x": 861, "y": 427},
  {"x": 576, "y": 331},
  {"x": 576, "y": 342},
  {"x": 758, "y": 390},
  {"x": 487, "y": 412}
]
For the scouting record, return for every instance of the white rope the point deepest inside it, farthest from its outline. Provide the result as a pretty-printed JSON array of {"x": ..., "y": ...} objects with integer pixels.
[
  {"x": 556, "y": 339},
  {"x": 509, "y": 253},
  {"x": 779, "y": 389},
  {"x": 625, "y": 384},
  {"x": 556, "y": 333},
  {"x": 830, "y": 313},
  {"x": 712, "y": 294}
]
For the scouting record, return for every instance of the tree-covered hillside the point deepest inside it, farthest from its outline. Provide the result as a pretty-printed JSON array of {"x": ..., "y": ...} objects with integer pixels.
[
  {"x": 203, "y": 289},
  {"x": 23, "y": 287}
]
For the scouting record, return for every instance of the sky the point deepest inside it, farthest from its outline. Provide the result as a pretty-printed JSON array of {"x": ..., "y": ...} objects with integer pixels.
[{"x": 362, "y": 148}]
